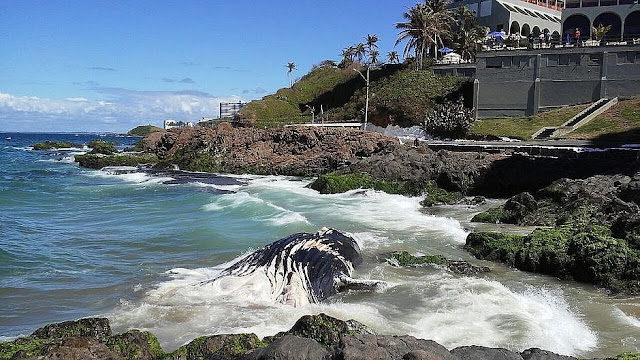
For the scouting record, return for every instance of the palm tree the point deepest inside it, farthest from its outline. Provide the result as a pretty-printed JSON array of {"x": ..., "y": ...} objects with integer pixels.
[
  {"x": 371, "y": 42},
  {"x": 360, "y": 51},
  {"x": 347, "y": 56},
  {"x": 427, "y": 25},
  {"x": 373, "y": 56},
  {"x": 465, "y": 42},
  {"x": 392, "y": 57},
  {"x": 290, "y": 66}
]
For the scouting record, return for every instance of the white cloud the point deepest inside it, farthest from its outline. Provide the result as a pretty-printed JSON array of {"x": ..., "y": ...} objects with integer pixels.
[{"x": 122, "y": 110}]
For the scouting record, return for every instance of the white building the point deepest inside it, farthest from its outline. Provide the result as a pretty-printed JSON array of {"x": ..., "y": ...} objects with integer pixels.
[
  {"x": 172, "y": 124},
  {"x": 517, "y": 16},
  {"x": 229, "y": 109}
]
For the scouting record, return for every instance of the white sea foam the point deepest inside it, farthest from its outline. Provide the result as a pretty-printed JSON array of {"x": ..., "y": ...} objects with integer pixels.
[
  {"x": 467, "y": 310},
  {"x": 138, "y": 178}
]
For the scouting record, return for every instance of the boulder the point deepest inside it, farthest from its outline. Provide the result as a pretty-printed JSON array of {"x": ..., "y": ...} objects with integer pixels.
[
  {"x": 391, "y": 347},
  {"x": 218, "y": 347},
  {"x": 324, "y": 329},
  {"x": 484, "y": 353},
  {"x": 290, "y": 347}
]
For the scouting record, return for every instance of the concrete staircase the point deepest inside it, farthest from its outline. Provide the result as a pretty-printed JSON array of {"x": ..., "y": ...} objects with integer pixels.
[{"x": 577, "y": 121}]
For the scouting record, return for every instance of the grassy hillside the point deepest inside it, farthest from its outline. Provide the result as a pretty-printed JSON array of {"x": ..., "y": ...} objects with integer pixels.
[
  {"x": 143, "y": 130},
  {"x": 397, "y": 93},
  {"x": 524, "y": 127},
  {"x": 289, "y": 104},
  {"x": 620, "y": 123}
]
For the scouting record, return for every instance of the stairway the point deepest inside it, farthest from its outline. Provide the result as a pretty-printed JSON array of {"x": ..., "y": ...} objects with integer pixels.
[{"x": 577, "y": 121}]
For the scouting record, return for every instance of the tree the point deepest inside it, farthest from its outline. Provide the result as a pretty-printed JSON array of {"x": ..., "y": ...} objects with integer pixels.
[
  {"x": 347, "y": 56},
  {"x": 360, "y": 51},
  {"x": 426, "y": 27},
  {"x": 465, "y": 42},
  {"x": 600, "y": 31},
  {"x": 372, "y": 42},
  {"x": 392, "y": 57},
  {"x": 290, "y": 66},
  {"x": 373, "y": 56}
]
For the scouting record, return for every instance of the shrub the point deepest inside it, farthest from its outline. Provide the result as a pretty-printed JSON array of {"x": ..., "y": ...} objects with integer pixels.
[{"x": 448, "y": 120}]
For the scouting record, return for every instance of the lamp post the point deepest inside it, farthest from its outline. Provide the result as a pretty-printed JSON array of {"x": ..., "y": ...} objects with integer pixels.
[{"x": 366, "y": 104}]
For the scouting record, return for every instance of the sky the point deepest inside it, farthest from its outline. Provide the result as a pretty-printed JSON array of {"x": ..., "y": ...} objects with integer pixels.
[{"x": 110, "y": 65}]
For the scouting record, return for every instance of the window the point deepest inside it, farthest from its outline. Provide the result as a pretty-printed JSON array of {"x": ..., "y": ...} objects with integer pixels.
[
  {"x": 595, "y": 59},
  {"x": 552, "y": 60},
  {"x": 494, "y": 62}
]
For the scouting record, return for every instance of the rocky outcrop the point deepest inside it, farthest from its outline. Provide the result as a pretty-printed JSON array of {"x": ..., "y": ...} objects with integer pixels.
[
  {"x": 578, "y": 251},
  {"x": 607, "y": 200},
  {"x": 304, "y": 151},
  {"x": 404, "y": 259},
  {"x": 312, "y": 337}
]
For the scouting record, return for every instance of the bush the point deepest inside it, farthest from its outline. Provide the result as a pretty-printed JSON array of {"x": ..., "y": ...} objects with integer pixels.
[{"x": 448, "y": 120}]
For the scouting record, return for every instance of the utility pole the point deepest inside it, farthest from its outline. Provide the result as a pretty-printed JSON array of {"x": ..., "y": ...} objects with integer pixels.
[{"x": 366, "y": 104}]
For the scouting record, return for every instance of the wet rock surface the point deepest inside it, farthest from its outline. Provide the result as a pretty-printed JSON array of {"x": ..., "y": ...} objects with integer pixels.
[
  {"x": 312, "y": 337},
  {"x": 304, "y": 151}
]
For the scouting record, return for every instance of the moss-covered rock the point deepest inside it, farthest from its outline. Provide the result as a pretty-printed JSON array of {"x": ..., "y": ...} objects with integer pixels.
[
  {"x": 136, "y": 345},
  {"x": 436, "y": 195},
  {"x": 579, "y": 251},
  {"x": 48, "y": 145},
  {"x": 53, "y": 336},
  {"x": 98, "y": 328},
  {"x": 217, "y": 347},
  {"x": 99, "y": 146},
  {"x": 405, "y": 259},
  {"x": 335, "y": 183},
  {"x": 324, "y": 329},
  {"x": 21, "y": 348},
  {"x": 98, "y": 161}
]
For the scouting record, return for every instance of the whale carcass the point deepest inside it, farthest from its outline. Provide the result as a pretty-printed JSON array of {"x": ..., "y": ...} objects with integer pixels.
[{"x": 304, "y": 267}]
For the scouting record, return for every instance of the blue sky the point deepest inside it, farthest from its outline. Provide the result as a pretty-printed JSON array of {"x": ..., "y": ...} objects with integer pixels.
[{"x": 110, "y": 65}]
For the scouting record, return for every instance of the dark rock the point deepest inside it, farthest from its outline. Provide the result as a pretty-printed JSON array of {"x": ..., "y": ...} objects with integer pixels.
[
  {"x": 390, "y": 347},
  {"x": 325, "y": 329},
  {"x": 79, "y": 348},
  {"x": 97, "y": 328},
  {"x": 578, "y": 251},
  {"x": 135, "y": 345},
  {"x": 538, "y": 354},
  {"x": 403, "y": 258},
  {"x": 290, "y": 347},
  {"x": 217, "y": 347},
  {"x": 484, "y": 353}
]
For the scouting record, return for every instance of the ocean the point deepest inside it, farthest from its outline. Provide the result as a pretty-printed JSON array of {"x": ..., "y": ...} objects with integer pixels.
[{"x": 136, "y": 248}]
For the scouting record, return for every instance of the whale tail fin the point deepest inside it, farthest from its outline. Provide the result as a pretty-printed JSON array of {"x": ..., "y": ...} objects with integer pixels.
[{"x": 348, "y": 283}]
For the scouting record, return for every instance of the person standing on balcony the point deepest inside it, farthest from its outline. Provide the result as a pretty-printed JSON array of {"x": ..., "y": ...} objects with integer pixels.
[{"x": 576, "y": 36}]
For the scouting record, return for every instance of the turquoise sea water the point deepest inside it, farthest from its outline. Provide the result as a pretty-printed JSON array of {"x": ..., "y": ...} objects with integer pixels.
[{"x": 77, "y": 242}]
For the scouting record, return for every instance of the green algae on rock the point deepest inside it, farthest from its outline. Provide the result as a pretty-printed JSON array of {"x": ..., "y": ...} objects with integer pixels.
[
  {"x": 48, "y": 145},
  {"x": 580, "y": 251},
  {"x": 98, "y": 161}
]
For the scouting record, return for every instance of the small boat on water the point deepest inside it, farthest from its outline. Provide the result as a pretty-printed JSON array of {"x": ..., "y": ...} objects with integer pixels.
[{"x": 8, "y": 138}]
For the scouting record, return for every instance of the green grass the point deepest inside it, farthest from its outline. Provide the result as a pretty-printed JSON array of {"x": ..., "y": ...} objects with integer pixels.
[
  {"x": 524, "y": 127},
  {"x": 620, "y": 123},
  {"x": 143, "y": 130}
]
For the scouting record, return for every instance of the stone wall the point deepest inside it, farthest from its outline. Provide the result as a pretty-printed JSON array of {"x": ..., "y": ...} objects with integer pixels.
[{"x": 525, "y": 82}]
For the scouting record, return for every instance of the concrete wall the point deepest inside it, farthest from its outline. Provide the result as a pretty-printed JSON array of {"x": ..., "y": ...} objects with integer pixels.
[{"x": 524, "y": 82}]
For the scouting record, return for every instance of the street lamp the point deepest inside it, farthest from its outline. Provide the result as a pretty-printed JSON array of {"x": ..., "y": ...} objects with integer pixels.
[{"x": 366, "y": 105}]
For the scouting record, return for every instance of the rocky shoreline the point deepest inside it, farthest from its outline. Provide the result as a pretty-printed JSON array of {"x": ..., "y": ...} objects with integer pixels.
[
  {"x": 587, "y": 202},
  {"x": 593, "y": 194},
  {"x": 311, "y": 337}
]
